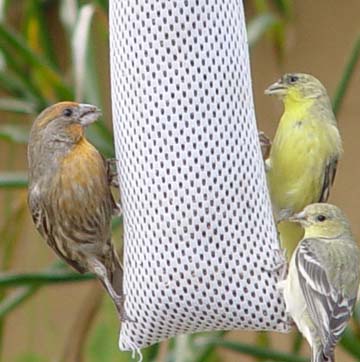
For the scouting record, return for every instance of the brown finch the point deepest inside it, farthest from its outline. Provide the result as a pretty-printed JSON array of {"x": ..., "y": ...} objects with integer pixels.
[{"x": 70, "y": 196}]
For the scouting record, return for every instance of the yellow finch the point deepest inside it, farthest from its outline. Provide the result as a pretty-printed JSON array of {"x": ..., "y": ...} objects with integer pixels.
[
  {"x": 304, "y": 153},
  {"x": 69, "y": 194},
  {"x": 323, "y": 280}
]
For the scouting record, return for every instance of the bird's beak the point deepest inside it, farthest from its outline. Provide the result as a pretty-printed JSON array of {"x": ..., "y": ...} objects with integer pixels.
[
  {"x": 278, "y": 88},
  {"x": 300, "y": 218},
  {"x": 88, "y": 114}
]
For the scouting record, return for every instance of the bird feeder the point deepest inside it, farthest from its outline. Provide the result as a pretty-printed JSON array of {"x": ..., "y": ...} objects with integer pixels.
[{"x": 199, "y": 237}]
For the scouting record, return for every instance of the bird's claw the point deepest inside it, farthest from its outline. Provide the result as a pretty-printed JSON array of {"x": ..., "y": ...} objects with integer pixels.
[
  {"x": 117, "y": 209},
  {"x": 280, "y": 266},
  {"x": 112, "y": 172},
  {"x": 287, "y": 322},
  {"x": 283, "y": 215},
  {"x": 265, "y": 144},
  {"x": 112, "y": 161}
]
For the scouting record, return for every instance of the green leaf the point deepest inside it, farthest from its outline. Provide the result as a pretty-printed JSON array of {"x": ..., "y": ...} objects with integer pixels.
[
  {"x": 102, "y": 344},
  {"x": 263, "y": 340},
  {"x": 3, "y": 8},
  {"x": 68, "y": 14},
  {"x": 50, "y": 277},
  {"x": 14, "y": 133},
  {"x": 255, "y": 351},
  {"x": 13, "y": 180},
  {"x": 182, "y": 350},
  {"x": 79, "y": 48},
  {"x": 17, "y": 105},
  {"x": 21, "y": 295},
  {"x": 278, "y": 34},
  {"x": 2, "y": 61},
  {"x": 297, "y": 342},
  {"x": 15, "y": 299},
  {"x": 19, "y": 77},
  {"x": 14, "y": 85},
  {"x": 15, "y": 41},
  {"x": 285, "y": 7},
  {"x": 30, "y": 357},
  {"x": 37, "y": 32},
  {"x": 258, "y": 26},
  {"x": 261, "y": 6},
  {"x": 350, "y": 342},
  {"x": 103, "y": 4},
  {"x": 346, "y": 76},
  {"x": 207, "y": 352}
]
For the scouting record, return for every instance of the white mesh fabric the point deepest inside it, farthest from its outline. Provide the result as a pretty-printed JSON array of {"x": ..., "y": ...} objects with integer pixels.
[{"x": 199, "y": 234}]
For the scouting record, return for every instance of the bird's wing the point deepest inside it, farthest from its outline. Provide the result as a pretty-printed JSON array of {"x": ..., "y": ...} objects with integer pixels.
[
  {"x": 329, "y": 177},
  {"x": 328, "y": 307},
  {"x": 37, "y": 212},
  {"x": 43, "y": 225}
]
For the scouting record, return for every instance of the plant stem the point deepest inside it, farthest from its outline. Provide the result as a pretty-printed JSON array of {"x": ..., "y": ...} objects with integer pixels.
[
  {"x": 17, "y": 298},
  {"x": 182, "y": 350},
  {"x": 262, "y": 340},
  {"x": 21, "y": 295},
  {"x": 347, "y": 73},
  {"x": 350, "y": 343},
  {"x": 208, "y": 349},
  {"x": 13, "y": 180},
  {"x": 11, "y": 280},
  {"x": 297, "y": 343},
  {"x": 258, "y": 352}
]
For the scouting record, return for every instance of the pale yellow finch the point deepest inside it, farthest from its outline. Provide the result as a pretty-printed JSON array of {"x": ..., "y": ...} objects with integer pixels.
[
  {"x": 304, "y": 153},
  {"x": 323, "y": 280}
]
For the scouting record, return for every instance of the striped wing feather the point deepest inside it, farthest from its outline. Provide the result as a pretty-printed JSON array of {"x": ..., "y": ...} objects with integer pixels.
[
  {"x": 329, "y": 177},
  {"x": 328, "y": 308}
]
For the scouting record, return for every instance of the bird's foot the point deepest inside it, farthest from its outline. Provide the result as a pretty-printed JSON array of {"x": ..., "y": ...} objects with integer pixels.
[
  {"x": 112, "y": 162},
  {"x": 286, "y": 322},
  {"x": 117, "y": 209},
  {"x": 280, "y": 266},
  {"x": 265, "y": 144},
  {"x": 283, "y": 215},
  {"x": 112, "y": 172}
]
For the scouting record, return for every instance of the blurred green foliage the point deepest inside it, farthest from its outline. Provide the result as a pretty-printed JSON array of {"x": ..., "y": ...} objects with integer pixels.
[{"x": 52, "y": 51}]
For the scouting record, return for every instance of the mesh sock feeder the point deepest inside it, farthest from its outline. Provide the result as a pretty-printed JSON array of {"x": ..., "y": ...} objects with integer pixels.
[{"x": 200, "y": 241}]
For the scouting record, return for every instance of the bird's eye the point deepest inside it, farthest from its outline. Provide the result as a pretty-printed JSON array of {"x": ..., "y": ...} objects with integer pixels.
[
  {"x": 67, "y": 112},
  {"x": 321, "y": 218},
  {"x": 293, "y": 79}
]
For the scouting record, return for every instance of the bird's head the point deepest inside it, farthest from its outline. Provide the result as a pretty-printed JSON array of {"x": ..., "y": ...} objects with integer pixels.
[
  {"x": 297, "y": 87},
  {"x": 65, "y": 121},
  {"x": 322, "y": 220}
]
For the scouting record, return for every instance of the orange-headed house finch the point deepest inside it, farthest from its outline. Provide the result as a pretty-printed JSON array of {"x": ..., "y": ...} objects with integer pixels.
[{"x": 70, "y": 196}]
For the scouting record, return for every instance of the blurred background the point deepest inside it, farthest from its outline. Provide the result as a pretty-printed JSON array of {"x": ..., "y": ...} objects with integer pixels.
[{"x": 53, "y": 50}]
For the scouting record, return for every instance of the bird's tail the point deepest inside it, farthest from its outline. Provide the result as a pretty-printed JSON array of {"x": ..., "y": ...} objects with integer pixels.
[
  {"x": 116, "y": 273},
  {"x": 116, "y": 279},
  {"x": 110, "y": 272},
  {"x": 319, "y": 356}
]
